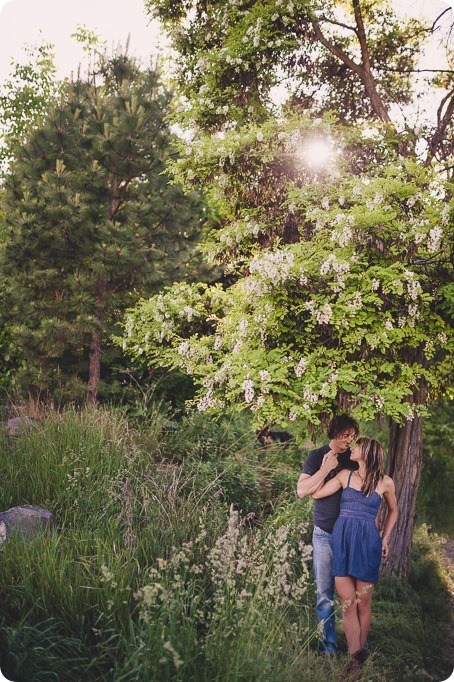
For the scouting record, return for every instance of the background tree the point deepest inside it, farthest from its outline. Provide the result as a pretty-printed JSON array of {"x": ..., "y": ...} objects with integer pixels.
[
  {"x": 342, "y": 295},
  {"x": 25, "y": 96},
  {"x": 92, "y": 222}
]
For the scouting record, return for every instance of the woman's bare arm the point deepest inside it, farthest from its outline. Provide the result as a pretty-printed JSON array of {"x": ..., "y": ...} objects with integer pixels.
[
  {"x": 389, "y": 493},
  {"x": 329, "y": 488}
]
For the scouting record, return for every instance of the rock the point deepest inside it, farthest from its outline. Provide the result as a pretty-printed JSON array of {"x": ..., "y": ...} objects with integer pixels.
[
  {"x": 25, "y": 519},
  {"x": 17, "y": 425}
]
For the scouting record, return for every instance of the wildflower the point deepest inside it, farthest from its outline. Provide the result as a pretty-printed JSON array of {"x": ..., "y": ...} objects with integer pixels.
[{"x": 177, "y": 661}]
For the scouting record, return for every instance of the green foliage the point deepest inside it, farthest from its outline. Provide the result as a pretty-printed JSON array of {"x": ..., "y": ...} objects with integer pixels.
[
  {"x": 25, "y": 96},
  {"x": 345, "y": 310},
  {"x": 92, "y": 223},
  {"x": 436, "y": 491}
]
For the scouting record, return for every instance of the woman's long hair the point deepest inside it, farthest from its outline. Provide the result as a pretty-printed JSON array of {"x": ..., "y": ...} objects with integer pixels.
[{"x": 374, "y": 457}]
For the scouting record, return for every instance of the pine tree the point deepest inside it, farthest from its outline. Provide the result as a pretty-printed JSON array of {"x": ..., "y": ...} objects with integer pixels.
[{"x": 92, "y": 222}]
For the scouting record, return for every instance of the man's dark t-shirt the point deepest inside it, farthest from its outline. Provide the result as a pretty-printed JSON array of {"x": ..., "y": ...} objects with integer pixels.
[{"x": 327, "y": 508}]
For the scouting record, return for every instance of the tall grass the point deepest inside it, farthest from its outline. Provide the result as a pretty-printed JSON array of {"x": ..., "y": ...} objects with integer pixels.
[{"x": 182, "y": 554}]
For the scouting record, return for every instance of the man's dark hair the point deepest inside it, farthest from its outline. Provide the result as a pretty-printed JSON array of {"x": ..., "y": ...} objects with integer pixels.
[{"x": 341, "y": 423}]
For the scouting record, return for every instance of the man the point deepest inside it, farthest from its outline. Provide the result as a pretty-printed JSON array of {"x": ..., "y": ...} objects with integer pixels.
[{"x": 320, "y": 465}]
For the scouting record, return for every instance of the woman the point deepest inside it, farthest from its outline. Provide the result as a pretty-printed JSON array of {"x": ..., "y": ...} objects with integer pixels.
[{"x": 357, "y": 546}]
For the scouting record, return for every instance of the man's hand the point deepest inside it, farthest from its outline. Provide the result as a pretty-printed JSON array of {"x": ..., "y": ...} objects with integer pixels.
[{"x": 329, "y": 461}]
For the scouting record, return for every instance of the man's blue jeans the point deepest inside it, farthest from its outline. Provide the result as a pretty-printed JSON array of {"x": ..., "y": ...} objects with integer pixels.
[{"x": 322, "y": 544}]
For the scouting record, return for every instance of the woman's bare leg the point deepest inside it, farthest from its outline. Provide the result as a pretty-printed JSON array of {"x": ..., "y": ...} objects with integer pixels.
[
  {"x": 364, "y": 596},
  {"x": 346, "y": 589}
]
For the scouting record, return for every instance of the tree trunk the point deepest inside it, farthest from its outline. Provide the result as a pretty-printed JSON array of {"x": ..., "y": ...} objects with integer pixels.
[
  {"x": 94, "y": 368},
  {"x": 404, "y": 467}
]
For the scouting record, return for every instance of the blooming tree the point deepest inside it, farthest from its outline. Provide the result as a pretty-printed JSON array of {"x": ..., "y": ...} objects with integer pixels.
[{"x": 340, "y": 271}]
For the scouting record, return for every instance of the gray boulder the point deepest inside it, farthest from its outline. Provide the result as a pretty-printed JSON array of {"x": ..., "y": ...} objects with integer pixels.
[
  {"x": 25, "y": 520},
  {"x": 17, "y": 425}
]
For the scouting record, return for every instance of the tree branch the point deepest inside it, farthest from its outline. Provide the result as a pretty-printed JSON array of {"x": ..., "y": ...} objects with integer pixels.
[
  {"x": 362, "y": 70},
  {"x": 336, "y": 50},
  {"x": 443, "y": 122},
  {"x": 339, "y": 23},
  {"x": 388, "y": 68},
  {"x": 448, "y": 9},
  {"x": 362, "y": 36}
]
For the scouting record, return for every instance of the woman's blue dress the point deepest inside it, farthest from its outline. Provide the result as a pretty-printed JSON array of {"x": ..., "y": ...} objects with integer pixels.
[{"x": 356, "y": 542}]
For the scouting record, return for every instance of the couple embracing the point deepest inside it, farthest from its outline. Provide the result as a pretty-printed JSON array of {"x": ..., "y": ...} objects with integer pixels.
[{"x": 348, "y": 485}]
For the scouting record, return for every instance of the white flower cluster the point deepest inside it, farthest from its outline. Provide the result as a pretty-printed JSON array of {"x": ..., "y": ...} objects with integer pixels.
[
  {"x": 324, "y": 315},
  {"x": 274, "y": 266},
  {"x": 325, "y": 388},
  {"x": 332, "y": 263},
  {"x": 300, "y": 367},
  {"x": 254, "y": 288},
  {"x": 356, "y": 303},
  {"x": 434, "y": 240},
  {"x": 378, "y": 400},
  {"x": 413, "y": 286},
  {"x": 207, "y": 401},
  {"x": 248, "y": 388},
  {"x": 243, "y": 327},
  {"x": 413, "y": 314},
  {"x": 258, "y": 403},
  {"x": 310, "y": 396},
  {"x": 444, "y": 216},
  {"x": 183, "y": 348},
  {"x": 223, "y": 373},
  {"x": 411, "y": 201},
  {"x": 265, "y": 377},
  {"x": 129, "y": 325},
  {"x": 253, "y": 33},
  {"x": 377, "y": 200},
  {"x": 344, "y": 235}
]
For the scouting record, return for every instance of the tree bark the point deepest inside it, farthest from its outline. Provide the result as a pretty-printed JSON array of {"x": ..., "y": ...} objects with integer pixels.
[
  {"x": 94, "y": 368},
  {"x": 404, "y": 466},
  {"x": 95, "y": 350}
]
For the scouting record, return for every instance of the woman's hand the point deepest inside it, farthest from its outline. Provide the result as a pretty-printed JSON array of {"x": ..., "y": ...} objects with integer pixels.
[{"x": 384, "y": 549}]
